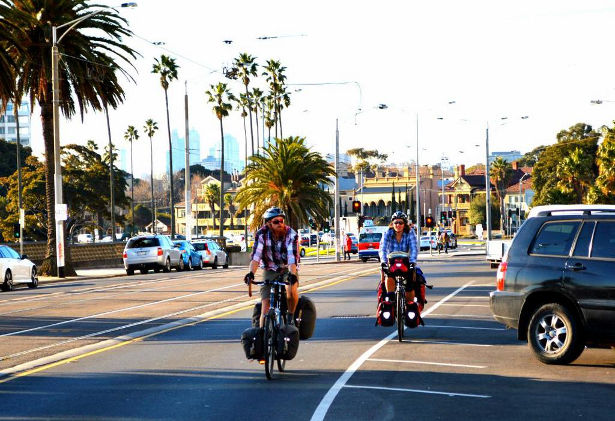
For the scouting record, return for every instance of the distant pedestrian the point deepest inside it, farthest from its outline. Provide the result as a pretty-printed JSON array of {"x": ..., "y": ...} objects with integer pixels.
[
  {"x": 443, "y": 241},
  {"x": 347, "y": 247}
]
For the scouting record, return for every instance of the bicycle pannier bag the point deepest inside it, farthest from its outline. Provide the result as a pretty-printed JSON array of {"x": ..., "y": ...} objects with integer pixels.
[
  {"x": 385, "y": 315},
  {"x": 256, "y": 315},
  {"x": 252, "y": 342},
  {"x": 288, "y": 342},
  {"x": 305, "y": 317},
  {"x": 412, "y": 318}
]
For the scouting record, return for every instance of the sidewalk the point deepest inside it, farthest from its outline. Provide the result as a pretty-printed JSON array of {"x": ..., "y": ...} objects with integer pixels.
[{"x": 83, "y": 274}]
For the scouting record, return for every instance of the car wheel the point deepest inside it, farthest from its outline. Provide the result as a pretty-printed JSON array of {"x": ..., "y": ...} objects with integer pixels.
[
  {"x": 200, "y": 267},
  {"x": 554, "y": 335},
  {"x": 302, "y": 253},
  {"x": 215, "y": 265},
  {"x": 143, "y": 271},
  {"x": 167, "y": 265},
  {"x": 7, "y": 285},
  {"x": 33, "y": 278},
  {"x": 190, "y": 264},
  {"x": 181, "y": 265},
  {"x": 364, "y": 259},
  {"x": 156, "y": 270},
  {"x": 130, "y": 272}
]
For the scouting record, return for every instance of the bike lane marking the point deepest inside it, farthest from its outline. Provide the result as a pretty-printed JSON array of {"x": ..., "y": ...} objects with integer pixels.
[
  {"x": 327, "y": 400},
  {"x": 425, "y": 363},
  {"x": 430, "y": 392}
]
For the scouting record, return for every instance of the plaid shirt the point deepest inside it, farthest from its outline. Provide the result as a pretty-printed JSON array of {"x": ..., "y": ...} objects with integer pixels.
[
  {"x": 389, "y": 243},
  {"x": 273, "y": 254}
]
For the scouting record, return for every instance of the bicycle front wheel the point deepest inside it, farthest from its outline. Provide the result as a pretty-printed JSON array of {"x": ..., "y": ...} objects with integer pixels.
[
  {"x": 400, "y": 316},
  {"x": 269, "y": 346}
]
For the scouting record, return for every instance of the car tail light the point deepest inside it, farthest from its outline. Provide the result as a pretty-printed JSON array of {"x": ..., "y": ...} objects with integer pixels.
[
  {"x": 125, "y": 255},
  {"x": 501, "y": 276},
  {"x": 159, "y": 251},
  {"x": 183, "y": 251}
]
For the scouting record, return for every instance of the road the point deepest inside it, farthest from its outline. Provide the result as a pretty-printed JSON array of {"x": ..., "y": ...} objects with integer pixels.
[{"x": 461, "y": 365}]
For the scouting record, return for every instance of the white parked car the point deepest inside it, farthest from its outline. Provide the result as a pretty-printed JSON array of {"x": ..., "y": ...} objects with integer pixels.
[
  {"x": 425, "y": 242},
  {"x": 146, "y": 252},
  {"x": 211, "y": 252},
  {"x": 16, "y": 269}
]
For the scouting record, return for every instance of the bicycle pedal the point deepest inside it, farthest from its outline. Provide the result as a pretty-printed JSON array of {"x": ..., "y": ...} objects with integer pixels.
[{"x": 261, "y": 362}]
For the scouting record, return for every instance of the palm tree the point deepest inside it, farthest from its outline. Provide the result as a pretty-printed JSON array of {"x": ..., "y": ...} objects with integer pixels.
[
  {"x": 150, "y": 129},
  {"x": 84, "y": 49},
  {"x": 575, "y": 175},
  {"x": 257, "y": 98},
  {"x": 221, "y": 97},
  {"x": 246, "y": 67},
  {"x": 501, "y": 172},
  {"x": 230, "y": 202},
  {"x": 270, "y": 120},
  {"x": 274, "y": 74},
  {"x": 242, "y": 103},
  {"x": 290, "y": 176},
  {"x": 131, "y": 135},
  {"x": 212, "y": 193},
  {"x": 167, "y": 69}
]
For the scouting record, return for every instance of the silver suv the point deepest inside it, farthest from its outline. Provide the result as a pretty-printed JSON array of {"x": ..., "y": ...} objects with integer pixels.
[{"x": 155, "y": 252}]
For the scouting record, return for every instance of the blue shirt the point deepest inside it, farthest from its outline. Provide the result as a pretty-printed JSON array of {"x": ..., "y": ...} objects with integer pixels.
[{"x": 389, "y": 243}]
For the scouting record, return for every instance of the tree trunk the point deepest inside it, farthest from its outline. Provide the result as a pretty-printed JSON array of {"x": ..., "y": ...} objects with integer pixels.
[
  {"x": 221, "y": 180},
  {"x": 257, "y": 135},
  {"x": 250, "y": 111},
  {"x": 151, "y": 171},
  {"x": 49, "y": 266},
  {"x": 171, "y": 194}
]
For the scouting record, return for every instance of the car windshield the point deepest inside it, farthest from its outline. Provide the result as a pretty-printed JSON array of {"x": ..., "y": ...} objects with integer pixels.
[
  {"x": 143, "y": 242},
  {"x": 199, "y": 246},
  {"x": 372, "y": 237}
]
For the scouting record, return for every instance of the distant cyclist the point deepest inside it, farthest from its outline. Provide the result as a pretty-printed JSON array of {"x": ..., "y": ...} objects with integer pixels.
[
  {"x": 399, "y": 237},
  {"x": 276, "y": 251}
]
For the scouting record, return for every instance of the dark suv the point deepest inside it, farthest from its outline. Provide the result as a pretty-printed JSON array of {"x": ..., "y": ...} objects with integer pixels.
[{"x": 556, "y": 284}]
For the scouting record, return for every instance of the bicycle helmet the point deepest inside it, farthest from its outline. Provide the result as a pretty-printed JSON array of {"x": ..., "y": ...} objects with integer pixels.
[
  {"x": 272, "y": 212},
  {"x": 399, "y": 215}
]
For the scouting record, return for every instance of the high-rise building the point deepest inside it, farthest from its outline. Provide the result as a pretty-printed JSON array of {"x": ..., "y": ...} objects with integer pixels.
[
  {"x": 232, "y": 161},
  {"x": 178, "y": 145},
  {"x": 8, "y": 127}
]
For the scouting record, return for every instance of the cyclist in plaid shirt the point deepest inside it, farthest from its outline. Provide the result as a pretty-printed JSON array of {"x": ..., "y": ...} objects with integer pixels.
[
  {"x": 276, "y": 251},
  {"x": 399, "y": 237}
]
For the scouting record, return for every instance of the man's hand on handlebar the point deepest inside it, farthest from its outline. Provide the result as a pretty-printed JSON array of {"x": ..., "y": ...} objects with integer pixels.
[
  {"x": 384, "y": 266},
  {"x": 248, "y": 278}
]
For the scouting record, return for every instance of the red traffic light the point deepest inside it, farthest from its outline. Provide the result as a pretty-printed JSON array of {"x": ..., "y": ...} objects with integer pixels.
[
  {"x": 356, "y": 206},
  {"x": 429, "y": 222}
]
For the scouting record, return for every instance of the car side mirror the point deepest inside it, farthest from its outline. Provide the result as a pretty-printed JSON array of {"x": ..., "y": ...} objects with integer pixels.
[{"x": 24, "y": 256}]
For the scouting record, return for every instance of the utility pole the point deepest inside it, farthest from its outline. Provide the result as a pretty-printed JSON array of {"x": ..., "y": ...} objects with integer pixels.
[
  {"x": 19, "y": 196},
  {"x": 187, "y": 185},
  {"x": 487, "y": 186},
  {"x": 337, "y": 192},
  {"x": 418, "y": 183},
  {"x": 111, "y": 177}
]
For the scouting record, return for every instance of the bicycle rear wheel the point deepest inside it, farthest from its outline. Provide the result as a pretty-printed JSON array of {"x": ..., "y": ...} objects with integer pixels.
[
  {"x": 269, "y": 346},
  {"x": 281, "y": 364},
  {"x": 400, "y": 316}
]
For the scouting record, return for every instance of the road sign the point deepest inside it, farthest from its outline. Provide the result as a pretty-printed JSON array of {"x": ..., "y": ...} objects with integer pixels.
[{"x": 61, "y": 212}]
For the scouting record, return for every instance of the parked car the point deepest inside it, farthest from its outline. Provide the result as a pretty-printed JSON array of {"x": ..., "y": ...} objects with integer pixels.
[
  {"x": 16, "y": 269},
  {"x": 157, "y": 252},
  {"x": 425, "y": 242},
  {"x": 555, "y": 283},
  {"x": 192, "y": 259},
  {"x": 211, "y": 253},
  {"x": 85, "y": 238}
]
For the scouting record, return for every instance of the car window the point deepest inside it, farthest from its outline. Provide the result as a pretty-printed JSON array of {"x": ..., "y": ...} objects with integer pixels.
[
  {"x": 555, "y": 238},
  {"x": 604, "y": 240},
  {"x": 3, "y": 253},
  {"x": 581, "y": 249},
  {"x": 212, "y": 245},
  {"x": 199, "y": 246},
  {"x": 372, "y": 237},
  {"x": 143, "y": 242}
]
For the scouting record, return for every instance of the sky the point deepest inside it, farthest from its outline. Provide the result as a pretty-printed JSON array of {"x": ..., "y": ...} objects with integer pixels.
[{"x": 454, "y": 67}]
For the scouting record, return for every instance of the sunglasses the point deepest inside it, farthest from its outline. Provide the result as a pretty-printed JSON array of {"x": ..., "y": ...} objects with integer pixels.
[
  {"x": 277, "y": 221},
  {"x": 398, "y": 223}
]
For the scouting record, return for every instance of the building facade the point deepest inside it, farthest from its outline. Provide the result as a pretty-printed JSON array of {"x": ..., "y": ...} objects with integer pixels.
[{"x": 8, "y": 125}]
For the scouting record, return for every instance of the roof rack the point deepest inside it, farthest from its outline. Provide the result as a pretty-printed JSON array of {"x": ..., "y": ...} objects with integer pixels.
[{"x": 548, "y": 210}]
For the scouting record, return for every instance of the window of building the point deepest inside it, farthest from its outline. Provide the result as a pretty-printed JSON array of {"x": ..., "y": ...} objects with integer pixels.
[
  {"x": 10, "y": 130},
  {"x": 1, "y": 130}
]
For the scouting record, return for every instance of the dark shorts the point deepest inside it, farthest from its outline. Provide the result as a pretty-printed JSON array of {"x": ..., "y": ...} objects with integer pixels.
[{"x": 268, "y": 275}]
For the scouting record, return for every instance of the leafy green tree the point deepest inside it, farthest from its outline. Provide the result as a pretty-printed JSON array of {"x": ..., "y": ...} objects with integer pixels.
[
  {"x": 8, "y": 158},
  {"x": 230, "y": 203},
  {"x": 476, "y": 213},
  {"x": 141, "y": 215},
  {"x": 530, "y": 158},
  {"x": 246, "y": 68},
  {"x": 96, "y": 42},
  {"x": 501, "y": 171},
  {"x": 573, "y": 174},
  {"x": 605, "y": 159},
  {"x": 167, "y": 69},
  {"x": 221, "y": 97},
  {"x": 545, "y": 180},
  {"x": 367, "y": 160},
  {"x": 131, "y": 135},
  {"x": 150, "y": 129},
  {"x": 290, "y": 176},
  {"x": 212, "y": 193}
]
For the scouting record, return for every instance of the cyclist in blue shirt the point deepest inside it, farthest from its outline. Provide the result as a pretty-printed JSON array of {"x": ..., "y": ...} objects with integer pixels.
[{"x": 399, "y": 237}]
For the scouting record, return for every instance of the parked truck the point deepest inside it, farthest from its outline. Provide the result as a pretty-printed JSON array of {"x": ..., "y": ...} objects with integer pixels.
[{"x": 496, "y": 249}]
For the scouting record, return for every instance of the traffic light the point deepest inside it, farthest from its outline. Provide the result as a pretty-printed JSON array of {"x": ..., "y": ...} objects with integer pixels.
[
  {"x": 311, "y": 223},
  {"x": 450, "y": 214},
  {"x": 326, "y": 227},
  {"x": 454, "y": 213},
  {"x": 16, "y": 231},
  {"x": 443, "y": 216},
  {"x": 429, "y": 222},
  {"x": 356, "y": 206},
  {"x": 422, "y": 220}
]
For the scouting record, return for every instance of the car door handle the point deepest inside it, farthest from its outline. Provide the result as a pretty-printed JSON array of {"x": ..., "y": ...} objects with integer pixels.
[{"x": 574, "y": 267}]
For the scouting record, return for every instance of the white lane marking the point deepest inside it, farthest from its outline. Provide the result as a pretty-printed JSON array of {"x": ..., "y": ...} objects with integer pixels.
[
  {"x": 430, "y": 392},
  {"x": 465, "y": 305},
  {"x": 327, "y": 400},
  {"x": 119, "y": 310},
  {"x": 478, "y": 316},
  {"x": 467, "y": 327},
  {"x": 448, "y": 343},
  {"x": 473, "y": 297},
  {"x": 481, "y": 290},
  {"x": 425, "y": 363}
]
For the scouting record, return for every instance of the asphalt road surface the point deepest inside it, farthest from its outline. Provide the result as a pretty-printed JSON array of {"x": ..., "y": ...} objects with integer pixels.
[{"x": 461, "y": 365}]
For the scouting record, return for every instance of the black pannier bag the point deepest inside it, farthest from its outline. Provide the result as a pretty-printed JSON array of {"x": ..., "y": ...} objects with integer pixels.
[
  {"x": 288, "y": 342},
  {"x": 305, "y": 317},
  {"x": 256, "y": 315},
  {"x": 252, "y": 342},
  {"x": 385, "y": 315},
  {"x": 412, "y": 318}
]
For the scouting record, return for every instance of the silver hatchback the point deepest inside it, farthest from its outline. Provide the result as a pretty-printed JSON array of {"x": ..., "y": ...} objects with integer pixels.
[{"x": 156, "y": 252}]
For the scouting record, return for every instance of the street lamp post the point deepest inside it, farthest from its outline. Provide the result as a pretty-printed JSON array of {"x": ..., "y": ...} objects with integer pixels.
[
  {"x": 487, "y": 185},
  {"x": 111, "y": 177}
]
